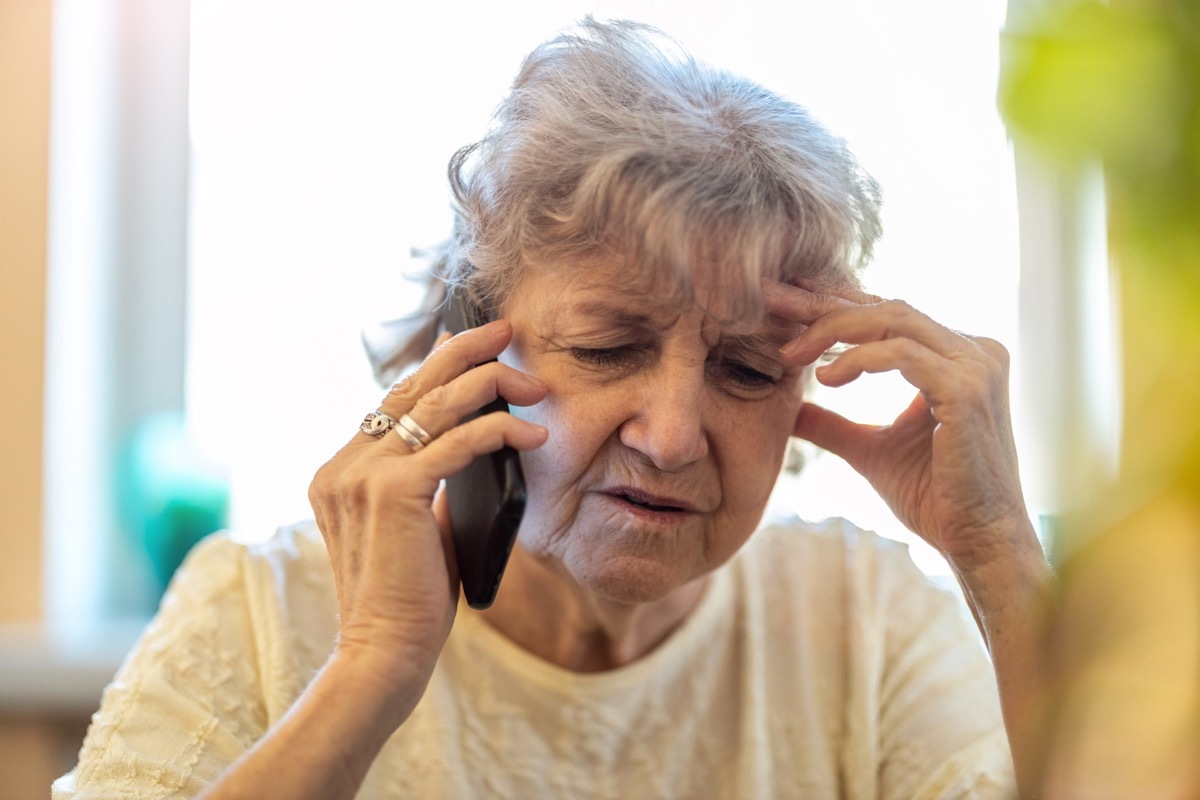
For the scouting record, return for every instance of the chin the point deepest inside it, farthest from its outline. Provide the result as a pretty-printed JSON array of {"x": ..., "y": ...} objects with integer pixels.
[{"x": 631, "y": 580}]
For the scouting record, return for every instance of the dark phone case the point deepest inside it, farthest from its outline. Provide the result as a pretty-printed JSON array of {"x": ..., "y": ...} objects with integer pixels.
[{"x": 487, "y": 498}]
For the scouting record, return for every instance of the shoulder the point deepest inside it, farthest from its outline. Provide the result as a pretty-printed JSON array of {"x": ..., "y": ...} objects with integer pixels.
[
  {"x": 832, "y": 544},
  {"x": 223, "y": 560},
  {"x": 240, "y": 630},
  {"x": 847, "y": 572},
  {"x": 225, "y": 578},
  {"x": 273, "y": 597}
]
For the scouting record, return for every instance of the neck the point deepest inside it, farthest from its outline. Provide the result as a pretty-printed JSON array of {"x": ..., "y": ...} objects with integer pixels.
[{"x": 548, "y": 614}]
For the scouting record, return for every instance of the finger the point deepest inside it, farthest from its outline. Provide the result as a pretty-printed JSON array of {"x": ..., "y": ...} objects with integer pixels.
[
  {"x": 456, "y": 448},
  {"x": 801, "y": 304},
  {"x": 798, "y": 304},
  {"x": 833, "y": 432},
  {"x": 451, "y": 357},
  {"x": 807, "y": 299},
  {"x": 454, "y": 356},
  {"x": 944, "y": 383},
  {"x": 845, "y": 291},
  {"x": 919, "y": 365},
  {"x": 857, "y": 324},
  {"x": 443, "y": 407}
]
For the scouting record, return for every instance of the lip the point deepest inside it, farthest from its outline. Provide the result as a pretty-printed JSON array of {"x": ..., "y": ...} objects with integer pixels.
[{"x": 647, "y": 503}]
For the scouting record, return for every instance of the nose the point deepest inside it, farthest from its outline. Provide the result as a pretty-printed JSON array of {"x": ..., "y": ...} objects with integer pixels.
[{"x": 667, "y": 424}]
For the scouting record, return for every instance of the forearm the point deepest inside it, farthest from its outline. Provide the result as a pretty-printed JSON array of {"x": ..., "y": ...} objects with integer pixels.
[
  {"x": 1010, "y": 598},
  {"x": 324, "y": 746}
]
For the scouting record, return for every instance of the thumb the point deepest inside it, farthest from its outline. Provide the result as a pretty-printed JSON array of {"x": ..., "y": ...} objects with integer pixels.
[{"x": 833, "y": 432}]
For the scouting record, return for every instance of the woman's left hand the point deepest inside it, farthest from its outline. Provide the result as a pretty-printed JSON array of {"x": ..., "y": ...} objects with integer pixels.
[{"x": 947, "y": 466}]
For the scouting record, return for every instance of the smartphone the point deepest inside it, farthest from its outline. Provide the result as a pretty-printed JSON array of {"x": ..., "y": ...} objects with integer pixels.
[{"x": 487, "y": 498}]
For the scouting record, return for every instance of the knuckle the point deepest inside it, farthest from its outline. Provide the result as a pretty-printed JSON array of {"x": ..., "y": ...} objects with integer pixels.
[
  {"x": 907, "y": 348},
  {"x": 457, "y": 348},
  {"x": 457, "y": 437},
  {"x": 346, "y": 487},
  {"x": 405, "y": 389},
  {"x": 316, "y": 487},
  {"x": 321, "y": 485},
  {"x": 898, "y": 307},
  {"x": 979, "y": 379},
  {"x": 996, "y": 350},
  {"x": 439, "y": 398},
  {"x": 375, "y": 483},
  {"x": 958, "y": 385}
]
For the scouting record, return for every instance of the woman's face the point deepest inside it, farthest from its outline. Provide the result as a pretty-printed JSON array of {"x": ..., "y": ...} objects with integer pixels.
[{"x": 666, "y": 433}]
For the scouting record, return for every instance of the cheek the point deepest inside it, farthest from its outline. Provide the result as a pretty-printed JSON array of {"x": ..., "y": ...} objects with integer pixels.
[
  {"x": 753, "y": 458},
  {"x": 544, "y": 462},
  {"x": 749, "y": 483},
  {"x": 748, "y": 475},
  {"x": 577, "y": 433}
]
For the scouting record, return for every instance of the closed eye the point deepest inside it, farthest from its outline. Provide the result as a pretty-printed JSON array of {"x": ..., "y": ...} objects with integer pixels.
[
  {"x": 605, "y": 356},
  {"x": 744, "y": 376},
  {"x": 744, "y": 370}
]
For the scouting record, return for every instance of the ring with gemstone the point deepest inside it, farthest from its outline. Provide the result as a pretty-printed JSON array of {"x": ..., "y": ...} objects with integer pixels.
[{"x": 377, "y": 424}]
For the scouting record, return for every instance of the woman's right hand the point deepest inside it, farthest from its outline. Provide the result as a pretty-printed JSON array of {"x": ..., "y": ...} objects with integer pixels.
[
  {"x": 390, "y": 544},
  {"x": 393, "y": 568}
]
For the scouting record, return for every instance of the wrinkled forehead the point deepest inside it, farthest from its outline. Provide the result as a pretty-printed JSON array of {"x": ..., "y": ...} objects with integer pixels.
[
  {"x": 674, "y": 245},
  {"x": 637, "y": 295}
]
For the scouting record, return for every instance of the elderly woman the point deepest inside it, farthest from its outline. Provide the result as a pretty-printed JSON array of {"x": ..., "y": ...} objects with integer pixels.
[{"x": 666, "y": 250}]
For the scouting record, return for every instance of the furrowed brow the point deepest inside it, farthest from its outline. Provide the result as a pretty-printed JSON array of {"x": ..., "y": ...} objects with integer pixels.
[
  {"x": 618, "y": 315},
  {"x": 767, "y": 340}
]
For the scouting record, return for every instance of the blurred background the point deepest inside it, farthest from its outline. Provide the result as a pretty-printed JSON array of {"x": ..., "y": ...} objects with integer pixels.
[
  {"x": 203, "y": 204},
  {"x": 1119, "y": 84}
]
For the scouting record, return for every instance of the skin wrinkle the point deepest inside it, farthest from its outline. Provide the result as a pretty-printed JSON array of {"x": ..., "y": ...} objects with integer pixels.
[
  {"x": 671, "y": 425},
  {"x": 620, "y": 585},
  {"x": 610, "y": 316}
]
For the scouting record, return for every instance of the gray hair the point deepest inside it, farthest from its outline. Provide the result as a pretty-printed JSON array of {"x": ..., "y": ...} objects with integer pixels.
[{"x": 615, "y": 145}]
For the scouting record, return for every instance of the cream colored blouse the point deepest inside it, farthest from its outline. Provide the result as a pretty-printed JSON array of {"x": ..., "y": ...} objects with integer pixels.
[{"x": 820, "y": 663}]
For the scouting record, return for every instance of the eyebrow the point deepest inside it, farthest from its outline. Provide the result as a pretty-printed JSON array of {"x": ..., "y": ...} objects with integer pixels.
[
  {"x": 768, "y": 339},
  {"x": 622, "y": 316}
]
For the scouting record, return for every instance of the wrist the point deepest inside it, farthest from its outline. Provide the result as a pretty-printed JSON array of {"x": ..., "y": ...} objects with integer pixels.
[
  {"x": 1004, "y": 546},
  {"x": 1009, "y": 574},
  {"x": 389, "y": 686}
]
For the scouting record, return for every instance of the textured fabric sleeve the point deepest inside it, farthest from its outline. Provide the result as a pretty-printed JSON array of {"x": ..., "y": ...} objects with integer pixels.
[
  {"x": 940, "y": 728},
  {"x": 187, "y": 701}
]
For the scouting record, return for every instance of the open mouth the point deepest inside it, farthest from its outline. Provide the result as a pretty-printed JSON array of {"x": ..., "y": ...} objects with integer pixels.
[
  {"x": 651, "y": 506},
  {"x": 650, "y": 502}
]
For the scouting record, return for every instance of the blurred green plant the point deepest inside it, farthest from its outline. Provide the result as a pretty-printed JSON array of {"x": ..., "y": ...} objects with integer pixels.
[{"x": 1119, "y": 83}]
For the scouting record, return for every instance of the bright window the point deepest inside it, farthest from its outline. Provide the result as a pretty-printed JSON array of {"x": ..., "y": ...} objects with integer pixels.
[{"x": 321, "y": 133}]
